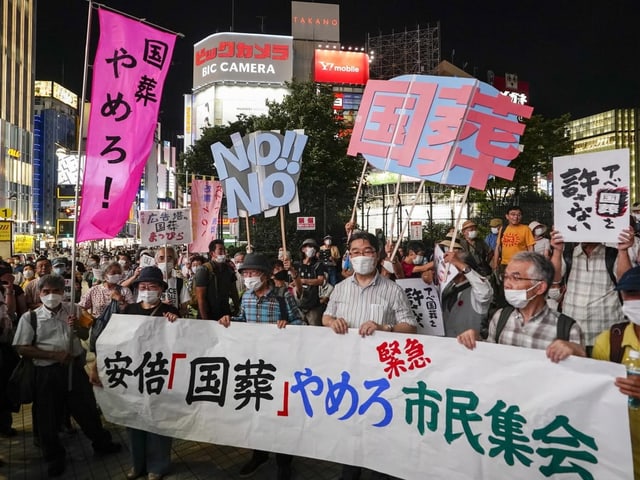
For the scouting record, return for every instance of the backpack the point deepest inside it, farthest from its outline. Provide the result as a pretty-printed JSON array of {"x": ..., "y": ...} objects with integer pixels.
[
  {"x": 563, "y": 327},
  {"x": 616, "y": 352},
  {"x": 610, "y": 255}
]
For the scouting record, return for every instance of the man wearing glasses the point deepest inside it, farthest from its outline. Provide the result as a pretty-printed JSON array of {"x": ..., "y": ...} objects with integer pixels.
[
  {"x": 513, "y": 238},
  {"x": 531, "y": 323}
]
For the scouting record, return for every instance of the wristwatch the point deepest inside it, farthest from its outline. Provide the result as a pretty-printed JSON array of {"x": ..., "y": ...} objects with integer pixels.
[{"x": 466, "y": 269}]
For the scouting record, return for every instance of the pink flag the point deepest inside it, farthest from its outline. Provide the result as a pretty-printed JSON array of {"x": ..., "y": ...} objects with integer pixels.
[
  {"x": 129, "y": 71},
  {"x": 206, "y": 198}
]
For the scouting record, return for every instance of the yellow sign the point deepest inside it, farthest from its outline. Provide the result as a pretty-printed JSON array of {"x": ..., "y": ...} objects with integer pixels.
[
  {"x": 5, "y": 231},
  {"x": 23, "y": 243},
  {"x": 6, "y": 212}
]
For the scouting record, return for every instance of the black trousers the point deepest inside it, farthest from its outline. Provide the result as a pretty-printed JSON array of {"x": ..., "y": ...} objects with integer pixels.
[{"x": 52, "y": 395}]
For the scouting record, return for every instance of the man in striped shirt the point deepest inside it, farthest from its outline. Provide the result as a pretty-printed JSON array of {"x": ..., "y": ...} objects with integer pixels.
[{"x": 260, "y": 304}]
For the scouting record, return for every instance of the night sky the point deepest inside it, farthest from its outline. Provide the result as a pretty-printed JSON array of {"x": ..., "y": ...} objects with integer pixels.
[{"x": 578, "y": 57}]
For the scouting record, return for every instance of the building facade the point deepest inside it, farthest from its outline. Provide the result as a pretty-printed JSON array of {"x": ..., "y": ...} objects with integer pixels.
[{"x": 17, "y": 68}]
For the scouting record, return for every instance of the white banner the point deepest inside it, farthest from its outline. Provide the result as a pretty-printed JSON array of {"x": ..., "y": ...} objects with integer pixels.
[
  {"x": 424, "y": 299},
  {"x": 165, "y": 227},
  {"x": 591, "y": 196},
  {"x": 412, "y": 406}
]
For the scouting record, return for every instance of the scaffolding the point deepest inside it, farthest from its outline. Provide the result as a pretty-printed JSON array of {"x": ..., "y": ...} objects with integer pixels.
[{"x": 414, "y": 52}]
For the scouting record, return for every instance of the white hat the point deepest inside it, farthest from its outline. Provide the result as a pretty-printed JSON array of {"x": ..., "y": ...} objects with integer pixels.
[{"x": 533, "y": 225}]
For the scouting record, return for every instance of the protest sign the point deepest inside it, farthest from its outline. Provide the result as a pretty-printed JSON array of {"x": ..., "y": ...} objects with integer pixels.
[
  {"x": 165, "y": 227},
  {"x": 129, "y": 70},
  {"x": 411, "y": 406},
  {"x": 424, "y": 299},
  {"x": 456, "y": 131},
  {"x": 206, "y": 198},
  {"x": 260, "y": 172},
  {"x": 591, "y": 196}
]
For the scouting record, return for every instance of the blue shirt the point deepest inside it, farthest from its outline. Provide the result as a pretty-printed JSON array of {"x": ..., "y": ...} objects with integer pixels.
[{"x": 266, "y": 309}]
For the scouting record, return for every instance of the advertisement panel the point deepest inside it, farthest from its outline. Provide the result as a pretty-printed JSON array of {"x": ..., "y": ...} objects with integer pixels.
[
  {"x": 242, "y": 57},
  {"x": 337, "y": 66},
  {"x": 315, "y": 21}
]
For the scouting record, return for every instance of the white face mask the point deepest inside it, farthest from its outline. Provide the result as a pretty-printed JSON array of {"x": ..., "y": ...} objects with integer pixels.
[
  {"x": 52, "y": 300},
  {"x": 363, "y": 265},
  {"x": 113, "y": 279},
  {"x": 310, "y": 252},
  {"x": 472, "y": 234},
  {"x": 418, "y": 259},
  {"x": 149, "y": 296},
  {"x": 631, "y": 310},
  {"x": 28, "y": 274},
  {"x": 239, "y": 265},
  {"x": 518, "y": 298},
  {"x": 59, "y": 271},
  {"x": 494, "y": 230},
  {"x": 195, "y": 269},
  {"x": 327, "y": 242},
  {"x": 554, "y": 293},
  {"x": 220, "y": 258},
  {"x": 123, "y": 263},
  {"x": 252, "y": 283},
  {"x": 164, "y": 267}
]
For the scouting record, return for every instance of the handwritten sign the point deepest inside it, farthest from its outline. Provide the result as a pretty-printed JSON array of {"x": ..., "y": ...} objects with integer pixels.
[
  {"x": 260, "y": 172},
  {"x": 206, "y": 198},
  {"x": 457, "y": 131},
  {"x": 591, "y": 195},
  {"x": 411, "y": 406},
  {"x": 165, "y": 227},
  {"x": 129, "y": 70},
  {"x": 424, "y": 299}
]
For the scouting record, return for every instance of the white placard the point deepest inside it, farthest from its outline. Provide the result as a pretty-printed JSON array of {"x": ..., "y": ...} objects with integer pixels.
[
  {"x": 411, "y": 406},
  {"x": 591, "y": 196},
  {"x": 424, "y": 299},
  {"x": 165, "y": 227}
]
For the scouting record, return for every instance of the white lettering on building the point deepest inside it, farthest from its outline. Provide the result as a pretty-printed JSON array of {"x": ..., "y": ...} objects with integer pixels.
[{"x": 239, "y": 67}]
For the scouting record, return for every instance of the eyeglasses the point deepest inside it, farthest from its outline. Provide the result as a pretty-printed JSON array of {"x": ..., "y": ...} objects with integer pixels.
[
  {"x": 516, "y": 277},
  {"x": 369, "y": 252}
]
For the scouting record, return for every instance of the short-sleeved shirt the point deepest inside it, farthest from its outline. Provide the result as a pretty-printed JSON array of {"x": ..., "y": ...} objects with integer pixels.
[
  {"x": 267, "y": 308},
  {"x": 539, "y": 332},
  {"x": 53, "y": 332},
  {"x": 220, "y": 281},
  {"x": 515, "y": 238},
  {"x": 98, "y": 297},
  {"x": 382, "y": 301}
]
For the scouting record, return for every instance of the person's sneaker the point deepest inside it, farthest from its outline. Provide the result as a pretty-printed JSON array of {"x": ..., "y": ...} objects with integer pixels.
[
  {"x": 56, "y": 467},
  {"x": 252, "y": 466},
  {"x": 107, "y": 448},
  {"x": 284, "y": 472}
]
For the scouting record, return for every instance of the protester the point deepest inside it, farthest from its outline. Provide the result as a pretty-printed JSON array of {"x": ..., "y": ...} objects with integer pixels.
[
  {"x": 98, "y": 297},
  {"x": 475, "y": 247},
  {"x": 32, "y": 299},
  {"x": 150, "y": 452},
  {"x": 29, "y": 274},
  {"x": 309, "y": 277},
  {"x": 330, "y": 258},
  {"x": 177, "y": 293},
  {"x": 543, "y": 245},
  {"x": 492, "y": 238},
  {"x": 56, "y": 349},
  {"x": 531, "y": 323},
  {"x": 216, "y": 285},
  {"x": 514, "y": 238}
]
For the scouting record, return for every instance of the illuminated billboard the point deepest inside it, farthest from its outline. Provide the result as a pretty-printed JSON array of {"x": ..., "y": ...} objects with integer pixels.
[
  {"x": 242, "y": 57},
  {"x": 46, "y": 88},
  {"x": 339, "y": 67},
  {"x": 315, "y": 21}
]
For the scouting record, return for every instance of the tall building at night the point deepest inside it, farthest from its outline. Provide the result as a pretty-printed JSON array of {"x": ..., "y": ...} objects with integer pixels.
[
  {"x": 611, "y": 130},
  {"x": 17, "y": 67}
]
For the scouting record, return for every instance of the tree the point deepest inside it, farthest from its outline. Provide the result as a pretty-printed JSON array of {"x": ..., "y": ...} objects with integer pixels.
[{"x": 328, "y": 178}]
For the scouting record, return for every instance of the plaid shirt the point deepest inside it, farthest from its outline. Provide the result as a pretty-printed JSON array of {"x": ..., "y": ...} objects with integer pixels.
[
  {"x": 538, "y": 332},
  {"x": 266, "y": 309}
]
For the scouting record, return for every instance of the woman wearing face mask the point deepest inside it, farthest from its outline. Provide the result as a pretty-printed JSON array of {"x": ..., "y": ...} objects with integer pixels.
[
  {"x": 150, "y": 452},
  {"x": 28, "y": 273},
  {"x": 96, "y": 299},
  {"x": 543, "y": 245}
]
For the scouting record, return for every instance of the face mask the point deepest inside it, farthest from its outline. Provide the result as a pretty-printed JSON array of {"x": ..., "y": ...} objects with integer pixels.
[
  {"x": 418, "y": 260},
  {"x": 327, "y": 242},
  {"x": 631, "y": 310},
  {"x": 165, "y": 266},
  {"x": 554, "y": 294},
  {"x": 113, "y": 279},
  {"x": 185, "y": 270},
  {"x": 472, "y": 234},
  {"x": 148, "y": 296},
  {"x": 52, "y": 300},
  {"x": 123, "y": 263},
  {"x": 221, "y": 258},
  {"x": 239, "y": 266},
  {"x": 518, "y": 298},
  {"x": 494, "y": 230},
  {"x": 363, "y": 265},
  {"x": 195, "y": 269},
  {"x": 310, "y": 252},
  {"x": 28, "y": 274},
  {"x": 537, "y": 232},
  {"x": 253, "y": 283},
  {"x": 59, "y": 271}
]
